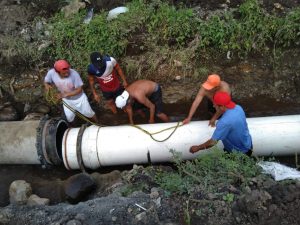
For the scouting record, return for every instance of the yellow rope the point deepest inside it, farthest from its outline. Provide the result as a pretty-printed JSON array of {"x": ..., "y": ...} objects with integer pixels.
[
  {"x": 80, "y": 115},
  {"x": 50, "y": 97},
  {"x": 151, "y": 134}
]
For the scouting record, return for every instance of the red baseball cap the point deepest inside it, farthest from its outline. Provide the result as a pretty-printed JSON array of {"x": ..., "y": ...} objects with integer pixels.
[
  {"x": 212, "y": 81},
  {"x": 223, "y": 98}
]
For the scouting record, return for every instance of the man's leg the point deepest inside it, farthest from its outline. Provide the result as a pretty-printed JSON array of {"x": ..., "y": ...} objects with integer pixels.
[
  {"x": 112, "y": 106},
  {"x": 70, "y": 116},
  {"x": 163, "y": 117},
  {"x": 156, "y": 99},
  {"x": 84, "y": 107}
]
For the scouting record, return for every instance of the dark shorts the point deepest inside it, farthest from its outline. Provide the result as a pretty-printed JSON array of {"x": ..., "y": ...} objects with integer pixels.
[
  {"x": 155, "y": 98},
  {"x": 248, "y": 153},
  {"x": 113, "y": 94}
]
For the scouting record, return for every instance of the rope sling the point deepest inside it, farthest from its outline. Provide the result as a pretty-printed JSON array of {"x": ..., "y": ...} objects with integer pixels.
[{"x": 50, "y": 98}]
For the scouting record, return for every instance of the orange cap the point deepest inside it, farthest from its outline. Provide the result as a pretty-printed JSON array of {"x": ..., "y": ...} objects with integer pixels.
[{"x": 212, "y": 81}]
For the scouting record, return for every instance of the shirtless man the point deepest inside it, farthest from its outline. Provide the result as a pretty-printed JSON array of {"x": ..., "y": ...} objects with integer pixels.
[
  {"x": 142, "y": 93},
  {"x": 208, "y": 89}
]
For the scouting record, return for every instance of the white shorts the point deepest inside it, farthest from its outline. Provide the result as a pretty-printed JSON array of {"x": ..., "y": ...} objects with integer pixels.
[{"x": 81, "y": 105}]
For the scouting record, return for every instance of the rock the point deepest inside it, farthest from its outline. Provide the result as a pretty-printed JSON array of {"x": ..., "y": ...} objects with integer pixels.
[
  {"x": 36, "y": 200},
  {"x": 8, "y": 113},
  {"x": 33, "y": 116},
  {"x": 78, "y": 186},
  {"x": 52, "y": 190},
  {"x": 253, "y": 201},
  {"x": 177, "y": 63},
  {"x": 73, "y": 8},
  {"x": 19, "y": 192},
  {"x": 157, "y": 202},
  {"x": 80, "y": 217},
  {"x": 42, "y": 109},
  {"x": 27, "y": 107},
  {"x": 141, "y": 216},
  {"x": 44, "y": 45},
  {"x": 104, "y": 181},
  {"x": 5, "y": 216},
  {"x": 73, "y": 222},
  {"x": 154, "y": 194},
  {"x": 178, "y": 78},
  {"x": 278, "y": 6}
]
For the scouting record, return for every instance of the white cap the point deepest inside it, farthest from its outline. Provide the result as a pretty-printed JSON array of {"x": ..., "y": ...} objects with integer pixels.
[{"x": 121, "y": 100}]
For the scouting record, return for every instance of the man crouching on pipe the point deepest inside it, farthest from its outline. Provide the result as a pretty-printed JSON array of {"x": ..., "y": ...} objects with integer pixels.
[
  {"x": 231, "y": 129},
  {"x": 142, "y": 94}
]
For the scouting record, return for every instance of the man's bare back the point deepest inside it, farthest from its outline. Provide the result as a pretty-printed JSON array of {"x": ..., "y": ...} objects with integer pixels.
[{"x": 141, "y": 88}]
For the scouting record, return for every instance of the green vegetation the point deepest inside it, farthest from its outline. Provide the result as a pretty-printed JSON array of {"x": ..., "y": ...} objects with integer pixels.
[
  {"x": 167, "y": 32},
  {"x": 208, "y": 173},
  {"x": 202, "y": 185}
]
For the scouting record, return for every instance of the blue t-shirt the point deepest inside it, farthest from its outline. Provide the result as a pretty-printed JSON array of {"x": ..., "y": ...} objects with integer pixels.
[{"x": 232, "y": 130}]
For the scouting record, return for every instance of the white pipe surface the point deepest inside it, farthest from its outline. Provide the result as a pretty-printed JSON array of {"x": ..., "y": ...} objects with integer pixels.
[{"x": 119, "y": 145}]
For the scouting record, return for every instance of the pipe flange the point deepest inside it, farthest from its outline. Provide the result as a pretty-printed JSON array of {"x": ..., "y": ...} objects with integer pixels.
[
  {"x": 52, "y": 140},
  {"x": 78, "y": 147},
  {"x": 39, "y": 141}
]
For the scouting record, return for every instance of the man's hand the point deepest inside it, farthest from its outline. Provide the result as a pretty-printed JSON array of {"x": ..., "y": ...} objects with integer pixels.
[
  {"x": 59, "y": 96},
  {"x": 194, "y": 149},
  {"x": 151, "y": 121},
  {"x": 186, "y": 121},
  {"x": 212, "y": 123}
]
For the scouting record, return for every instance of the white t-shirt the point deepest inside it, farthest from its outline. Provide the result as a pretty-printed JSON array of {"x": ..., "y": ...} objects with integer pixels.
[{"x": 65, "y": 85}]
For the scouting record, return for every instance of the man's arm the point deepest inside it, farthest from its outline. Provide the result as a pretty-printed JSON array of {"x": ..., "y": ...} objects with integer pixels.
[
  {"x": 47, "y": 86},
  {"x": 121, "y": 74},
  {"x": 128, "y": 109},
  {"x": 205, "y": 145},
  {"x": 91, "y": 79},
  {"x": 195, "y": 105},
  {"x": 69, "y": 94},
  {"x": 212, "y": 121}
]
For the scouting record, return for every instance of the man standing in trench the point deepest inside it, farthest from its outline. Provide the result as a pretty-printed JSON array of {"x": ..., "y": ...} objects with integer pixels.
[
  {"x": 104, "y": 69},
  {"x": 208, "y": 89},
  {"x": 69, "y": 84},
  {"x": 231, "y": 129},
  {"x": 141, "y": 94}
]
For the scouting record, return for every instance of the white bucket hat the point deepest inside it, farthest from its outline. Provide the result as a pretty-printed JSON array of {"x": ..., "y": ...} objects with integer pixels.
[{"x": 121, "y": 100}]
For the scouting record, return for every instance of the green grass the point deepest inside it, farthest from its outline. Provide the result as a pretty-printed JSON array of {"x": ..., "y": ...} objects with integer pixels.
[{"x": 208, "y": 173}]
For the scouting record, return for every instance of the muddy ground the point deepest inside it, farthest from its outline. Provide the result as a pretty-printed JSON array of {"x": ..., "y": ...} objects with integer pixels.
[{"x": 261, "y": 87}]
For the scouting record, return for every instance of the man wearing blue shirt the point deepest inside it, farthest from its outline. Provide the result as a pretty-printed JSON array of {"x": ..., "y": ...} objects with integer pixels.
[{"x": 231, "y": 129}]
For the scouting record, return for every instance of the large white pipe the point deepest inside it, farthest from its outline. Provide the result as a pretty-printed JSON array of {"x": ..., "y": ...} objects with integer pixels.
[
  {"x": 95, "y": 146},
  {"x": 32, "y": 141}
]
